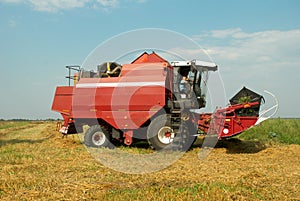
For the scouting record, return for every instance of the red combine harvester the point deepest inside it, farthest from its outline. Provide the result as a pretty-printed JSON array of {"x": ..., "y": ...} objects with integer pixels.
[{"x": 149, "y": 99}]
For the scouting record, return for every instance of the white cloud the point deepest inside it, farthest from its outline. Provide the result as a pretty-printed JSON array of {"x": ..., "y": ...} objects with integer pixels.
[
  {"x": 224, "y": 33},
  {"x": 234, "y": 45},
  {"x": 139, "y": 1},
  {"x": 258, "y": 60},
  {"x": 11, "y": 1},
  {"x": 12, "y": 23},
  {"x": 108, "y": 3},
  {"x": 57, "y": 5}
]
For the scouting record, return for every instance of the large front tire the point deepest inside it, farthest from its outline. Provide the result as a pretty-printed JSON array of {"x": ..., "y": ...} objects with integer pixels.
[
  {"x": 97, "y": 136},
  {"x": 185, "y": 137},
  {"x": 160, "y": 134}
]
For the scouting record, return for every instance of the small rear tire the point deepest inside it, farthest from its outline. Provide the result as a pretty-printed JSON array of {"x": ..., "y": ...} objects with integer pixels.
[{"x": 97, "y": 136}]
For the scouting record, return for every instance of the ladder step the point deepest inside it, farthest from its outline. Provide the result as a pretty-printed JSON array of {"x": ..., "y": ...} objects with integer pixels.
[{"x": 175, "y": 125}]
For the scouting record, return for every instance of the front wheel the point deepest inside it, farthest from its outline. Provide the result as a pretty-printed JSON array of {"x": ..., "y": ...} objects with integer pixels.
[
  {"x": 97, "y": 136},
  {"x": 160, "y": 134}
]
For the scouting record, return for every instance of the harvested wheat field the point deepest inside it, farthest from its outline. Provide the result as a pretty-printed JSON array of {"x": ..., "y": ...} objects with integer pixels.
[{"x": 37, "y": 164}]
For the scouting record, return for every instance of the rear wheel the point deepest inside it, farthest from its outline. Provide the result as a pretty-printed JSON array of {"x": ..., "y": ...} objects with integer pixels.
[{"x": 97, "y": 136}]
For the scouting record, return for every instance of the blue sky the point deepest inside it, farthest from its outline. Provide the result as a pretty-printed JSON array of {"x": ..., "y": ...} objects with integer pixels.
[{"x": 255, "y": 43}]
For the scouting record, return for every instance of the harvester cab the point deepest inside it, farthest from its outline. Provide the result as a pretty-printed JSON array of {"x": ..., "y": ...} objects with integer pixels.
[{"x": 190, "y": 80}]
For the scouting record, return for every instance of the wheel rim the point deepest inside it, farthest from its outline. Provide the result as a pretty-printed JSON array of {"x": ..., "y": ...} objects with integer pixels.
[
  {"x": 166, "y": 135},
  {"x": 98, "y": 138}
]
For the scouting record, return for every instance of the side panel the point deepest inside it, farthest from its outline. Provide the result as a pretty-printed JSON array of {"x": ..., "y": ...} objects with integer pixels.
[
  {"x": 226, "y": 122},
  {"x": 236, "y": 125},
  {"x": 123, "y": 107},
  {"x": 125, "y": 102},
  {"x": 62, "y": 102}
]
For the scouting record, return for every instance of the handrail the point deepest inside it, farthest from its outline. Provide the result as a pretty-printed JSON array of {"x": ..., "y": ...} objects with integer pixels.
[{"x": 72, "y": 77}]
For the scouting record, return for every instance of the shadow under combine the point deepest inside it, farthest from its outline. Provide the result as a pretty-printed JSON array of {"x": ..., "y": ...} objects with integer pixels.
[{"x": 235, "y": 146}]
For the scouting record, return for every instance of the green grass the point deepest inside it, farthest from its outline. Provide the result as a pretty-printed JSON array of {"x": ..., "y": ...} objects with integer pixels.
[
  {"x": 285, "y": 131},
  {"x": 203, "y": 191},
  {"x": 13, "y": 124}
]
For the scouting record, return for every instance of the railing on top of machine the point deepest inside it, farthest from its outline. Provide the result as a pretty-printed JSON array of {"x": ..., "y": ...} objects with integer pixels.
[{"x": 73, "y": 76}]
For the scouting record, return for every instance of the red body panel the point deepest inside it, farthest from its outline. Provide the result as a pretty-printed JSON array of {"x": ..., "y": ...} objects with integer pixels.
[
  {"x": 124, "y": 102},
  {"x": 63, "y": 100},
  {"x": 236, "y": 125},
  {"x": 225, "y": 122},
  {"x": 148, "y": 58}
]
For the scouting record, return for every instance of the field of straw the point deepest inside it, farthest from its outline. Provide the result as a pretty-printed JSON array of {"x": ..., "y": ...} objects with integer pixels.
[{"x": 37, "y": 164}]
